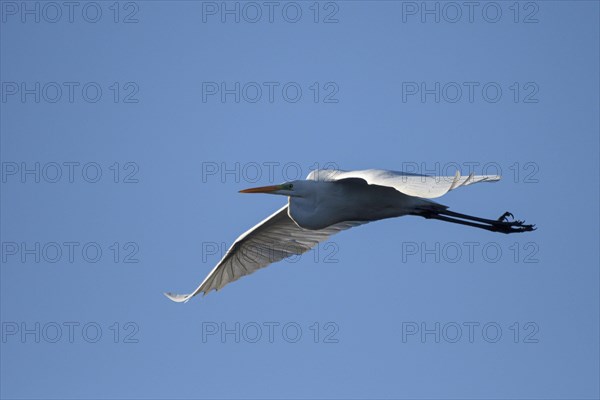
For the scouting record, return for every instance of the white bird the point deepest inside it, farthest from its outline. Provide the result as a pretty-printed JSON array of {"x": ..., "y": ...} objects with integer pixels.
[{"x": 330, "y": 201}]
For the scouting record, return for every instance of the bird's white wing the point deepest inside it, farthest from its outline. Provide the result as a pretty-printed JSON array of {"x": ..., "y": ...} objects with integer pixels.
[
  {"x": 272, "y": 240},
  {"x": 424, "y": 186}
]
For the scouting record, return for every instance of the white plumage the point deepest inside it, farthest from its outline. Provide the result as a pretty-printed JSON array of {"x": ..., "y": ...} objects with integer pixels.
[
  {"x": 424, "y": 186},
  {"x": 330, "y": 201}
]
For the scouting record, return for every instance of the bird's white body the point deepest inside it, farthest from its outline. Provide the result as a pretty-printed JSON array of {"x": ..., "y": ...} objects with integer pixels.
[{"x": 330, "y": 201}]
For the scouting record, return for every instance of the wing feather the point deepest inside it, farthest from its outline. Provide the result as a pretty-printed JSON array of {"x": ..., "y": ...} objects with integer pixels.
[
  {"x": 275, "y": 238},
  {"x": 424, "y": 186}
]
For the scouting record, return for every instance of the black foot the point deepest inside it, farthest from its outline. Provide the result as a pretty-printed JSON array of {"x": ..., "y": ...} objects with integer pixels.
[
  {"x": 504, "y": 217},
  {"x": 512, "y": 227}
]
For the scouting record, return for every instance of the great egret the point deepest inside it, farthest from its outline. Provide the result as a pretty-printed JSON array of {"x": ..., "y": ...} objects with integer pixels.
[{"x": 330, "y": 201}]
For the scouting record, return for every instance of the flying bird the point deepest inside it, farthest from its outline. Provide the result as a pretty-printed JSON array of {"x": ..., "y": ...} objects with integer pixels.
[{"x": 330, "y": 201}]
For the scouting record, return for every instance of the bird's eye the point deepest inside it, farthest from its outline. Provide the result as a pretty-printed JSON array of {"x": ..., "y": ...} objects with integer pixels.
[{"x": 291, "y": 186}]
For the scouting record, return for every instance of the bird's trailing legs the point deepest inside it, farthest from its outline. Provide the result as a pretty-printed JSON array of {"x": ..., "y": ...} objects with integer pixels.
[{"x": 501, "y": 224}]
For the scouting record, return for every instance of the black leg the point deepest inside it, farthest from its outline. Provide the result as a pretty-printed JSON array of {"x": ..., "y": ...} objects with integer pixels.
[{"x": 500, "y": 225}]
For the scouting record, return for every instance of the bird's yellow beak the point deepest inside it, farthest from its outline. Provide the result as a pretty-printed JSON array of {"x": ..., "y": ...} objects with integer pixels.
[{"x": 262, "y": 189}]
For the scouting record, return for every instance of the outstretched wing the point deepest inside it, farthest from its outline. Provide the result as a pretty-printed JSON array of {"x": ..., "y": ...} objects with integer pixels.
[
  {"x": 424, "y": 186},
  {"x": 272, "y": 240}
]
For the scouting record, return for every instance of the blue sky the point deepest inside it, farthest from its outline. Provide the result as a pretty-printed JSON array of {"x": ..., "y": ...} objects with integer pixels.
[{"x": 128, "y": 128}]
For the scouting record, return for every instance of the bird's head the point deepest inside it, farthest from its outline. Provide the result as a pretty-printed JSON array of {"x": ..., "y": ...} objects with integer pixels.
[{"x": 292, "y": 189}]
